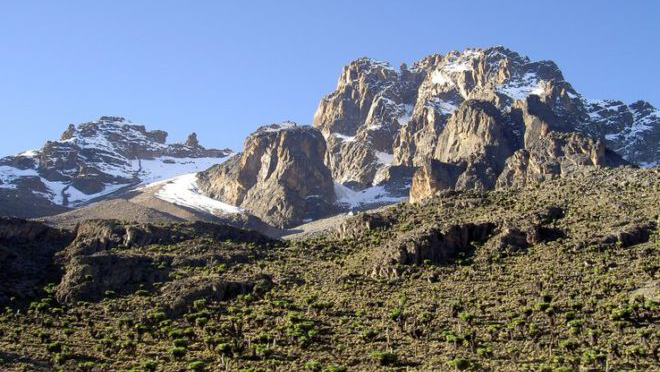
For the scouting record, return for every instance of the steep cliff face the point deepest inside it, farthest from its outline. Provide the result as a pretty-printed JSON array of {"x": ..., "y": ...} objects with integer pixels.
[
  {"x": 279, "y": 177},
  {"x": 92, "y": 160},
  {"x": 551, "y": 149},
  {"x": 378, "y": 112},
  {"x": 361, "y": 118}
]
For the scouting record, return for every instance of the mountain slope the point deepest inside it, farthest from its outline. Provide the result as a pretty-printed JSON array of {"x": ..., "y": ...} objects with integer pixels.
[
  {"x": 92, "y": 161},
  {"x": 559, "y": 277}
]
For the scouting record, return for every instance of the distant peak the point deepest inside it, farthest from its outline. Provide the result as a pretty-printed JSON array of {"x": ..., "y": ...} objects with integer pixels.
[
  {"x": 192, "y": 140},
  {"x": 276, "y": 127},
  {"x": 113, "y": 119}
]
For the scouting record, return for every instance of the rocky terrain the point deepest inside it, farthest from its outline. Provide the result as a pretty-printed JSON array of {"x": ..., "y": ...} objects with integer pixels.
[
  {"x": 485, "y": 114},
  {"x": 92, "y": 161},
  {"x": 555, "y": 276},
  {"x": 530, "y": 241},
  {"x": 480, "y": 119}
]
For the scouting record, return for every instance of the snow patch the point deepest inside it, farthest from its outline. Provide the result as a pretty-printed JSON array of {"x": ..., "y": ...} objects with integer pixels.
[
  {"x": 369, "y": 196},
  {"x": 9, "y": 174},
  {"x": 406, "y": 115},
  {"x": 384, "y": 158},
  {"x": 438, "y": 77},
  {"x": 183, "y": 191},
  {"x": 168, "y": 167},
  {"x": 277, "y": 127},
  {"x": 29, "y": 153},
  {"x": 344, "y": 137},
  {"x": 443, "y": 107},
  {"x": 518, "y": 89}
]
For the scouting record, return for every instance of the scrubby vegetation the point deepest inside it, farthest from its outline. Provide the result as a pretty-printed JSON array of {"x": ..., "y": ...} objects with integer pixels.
[{"x": 585, "y": 297}]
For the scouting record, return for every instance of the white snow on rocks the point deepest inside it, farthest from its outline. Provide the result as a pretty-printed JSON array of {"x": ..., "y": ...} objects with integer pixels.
[
  {"x": 520, "y": 88},
  {"x": 183, "y": 191},
  {"x": 384, "y": 158},
  {"x": 273, "y": 128},
  {"x": 371, "y": 196},
  {"x": 9, "y": 174},
  {"x": 344, "y": 137},
  {"x": 168, "y": 167},
  {"x": 438, "y": 77}
]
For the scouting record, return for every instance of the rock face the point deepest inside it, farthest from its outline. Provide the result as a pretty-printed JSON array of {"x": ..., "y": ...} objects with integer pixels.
[
  {"x": 92, "y": 160},
  {"x": 479, "y": 119},
  {"x": 100, "y": 258},
  {"x": 476, "y": 150},
  {"x": 26, "y": 258},
  {"x": 279, "y": 177}
]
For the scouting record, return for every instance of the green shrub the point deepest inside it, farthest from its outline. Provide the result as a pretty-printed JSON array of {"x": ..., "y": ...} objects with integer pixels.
[
  {"x": 180, "y": 342},
  {"x": 197, "y": 366},
  {"x": 178, "y": 352},
  {"x": 459, "y": 363},
  {"x": 313, "y": 365},
  {"x": 384, "y": 358},
  {"x": 54, "y": 347}
]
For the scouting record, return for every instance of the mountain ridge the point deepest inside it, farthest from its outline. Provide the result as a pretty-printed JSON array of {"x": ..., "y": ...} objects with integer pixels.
[{"x": 478, "y": 119}]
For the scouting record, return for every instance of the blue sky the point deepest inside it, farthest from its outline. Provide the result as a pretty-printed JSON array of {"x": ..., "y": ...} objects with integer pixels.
[{"x": 223, "y": 68}]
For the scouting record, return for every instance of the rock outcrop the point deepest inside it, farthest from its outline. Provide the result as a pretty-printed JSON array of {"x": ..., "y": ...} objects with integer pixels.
[
  {"x": 279, "y": 177},
  {"x": 106, "y": 255},
  {"x": 27, "y": 250}
]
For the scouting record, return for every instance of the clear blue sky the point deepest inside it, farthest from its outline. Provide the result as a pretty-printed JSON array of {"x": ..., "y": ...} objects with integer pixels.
[{"x": 223, "y": 68}]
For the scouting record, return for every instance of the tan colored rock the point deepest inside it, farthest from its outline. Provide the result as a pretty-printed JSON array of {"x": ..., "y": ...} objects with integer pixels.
[{"x": 279, "y": 177}]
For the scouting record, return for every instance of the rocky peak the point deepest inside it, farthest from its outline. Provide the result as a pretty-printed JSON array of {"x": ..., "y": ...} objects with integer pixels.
[
  {"x": 279, "y": 177},
  {"x": 192, "y": 141},
  {"x": 377, "y": 112},
  {"x": 69, "y": 133},
  {"x": 94, "y": 159}
]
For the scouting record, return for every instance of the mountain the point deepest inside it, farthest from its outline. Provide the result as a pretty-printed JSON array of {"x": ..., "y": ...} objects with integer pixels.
[
  {"x": 479, "y": 119},
  {"x": 92, "y": 161},
  {"x": 380, "y": 117}
]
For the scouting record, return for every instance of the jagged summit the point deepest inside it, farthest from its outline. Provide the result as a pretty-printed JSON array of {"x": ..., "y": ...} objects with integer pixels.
[
  {"x": 378, "y": 112},
  {"x": 275, "y": 127}
]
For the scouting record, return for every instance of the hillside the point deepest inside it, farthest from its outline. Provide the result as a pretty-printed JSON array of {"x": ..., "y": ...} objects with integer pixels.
[{"x": 558, "y": 276}]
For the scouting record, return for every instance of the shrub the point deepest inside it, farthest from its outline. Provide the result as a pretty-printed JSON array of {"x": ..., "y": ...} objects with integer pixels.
[
  {"x": 313, "y": 365},
  {"x": 180, "y": 342},
  {"x": 224, "y": 349},
  {"x": 384, "y": 358},
  {"x": 178, "y": 352},
  {"x": 149, "y": 365},
  {"x": 336, "y": 369},
  {"x": 466, "y": 317},
  {"x": 459, "y": 363},
  {"x": 368, "y": 334},
  {"x": 197, "y": 366},
  {"x": 54, "y": 347}
]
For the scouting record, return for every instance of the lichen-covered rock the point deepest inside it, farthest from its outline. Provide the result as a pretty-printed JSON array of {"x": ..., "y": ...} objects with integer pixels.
[
  {"x": 88, "y": 277},
  {"x": 361, "y": 223},
  {"x": 179, "y": 296}
]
